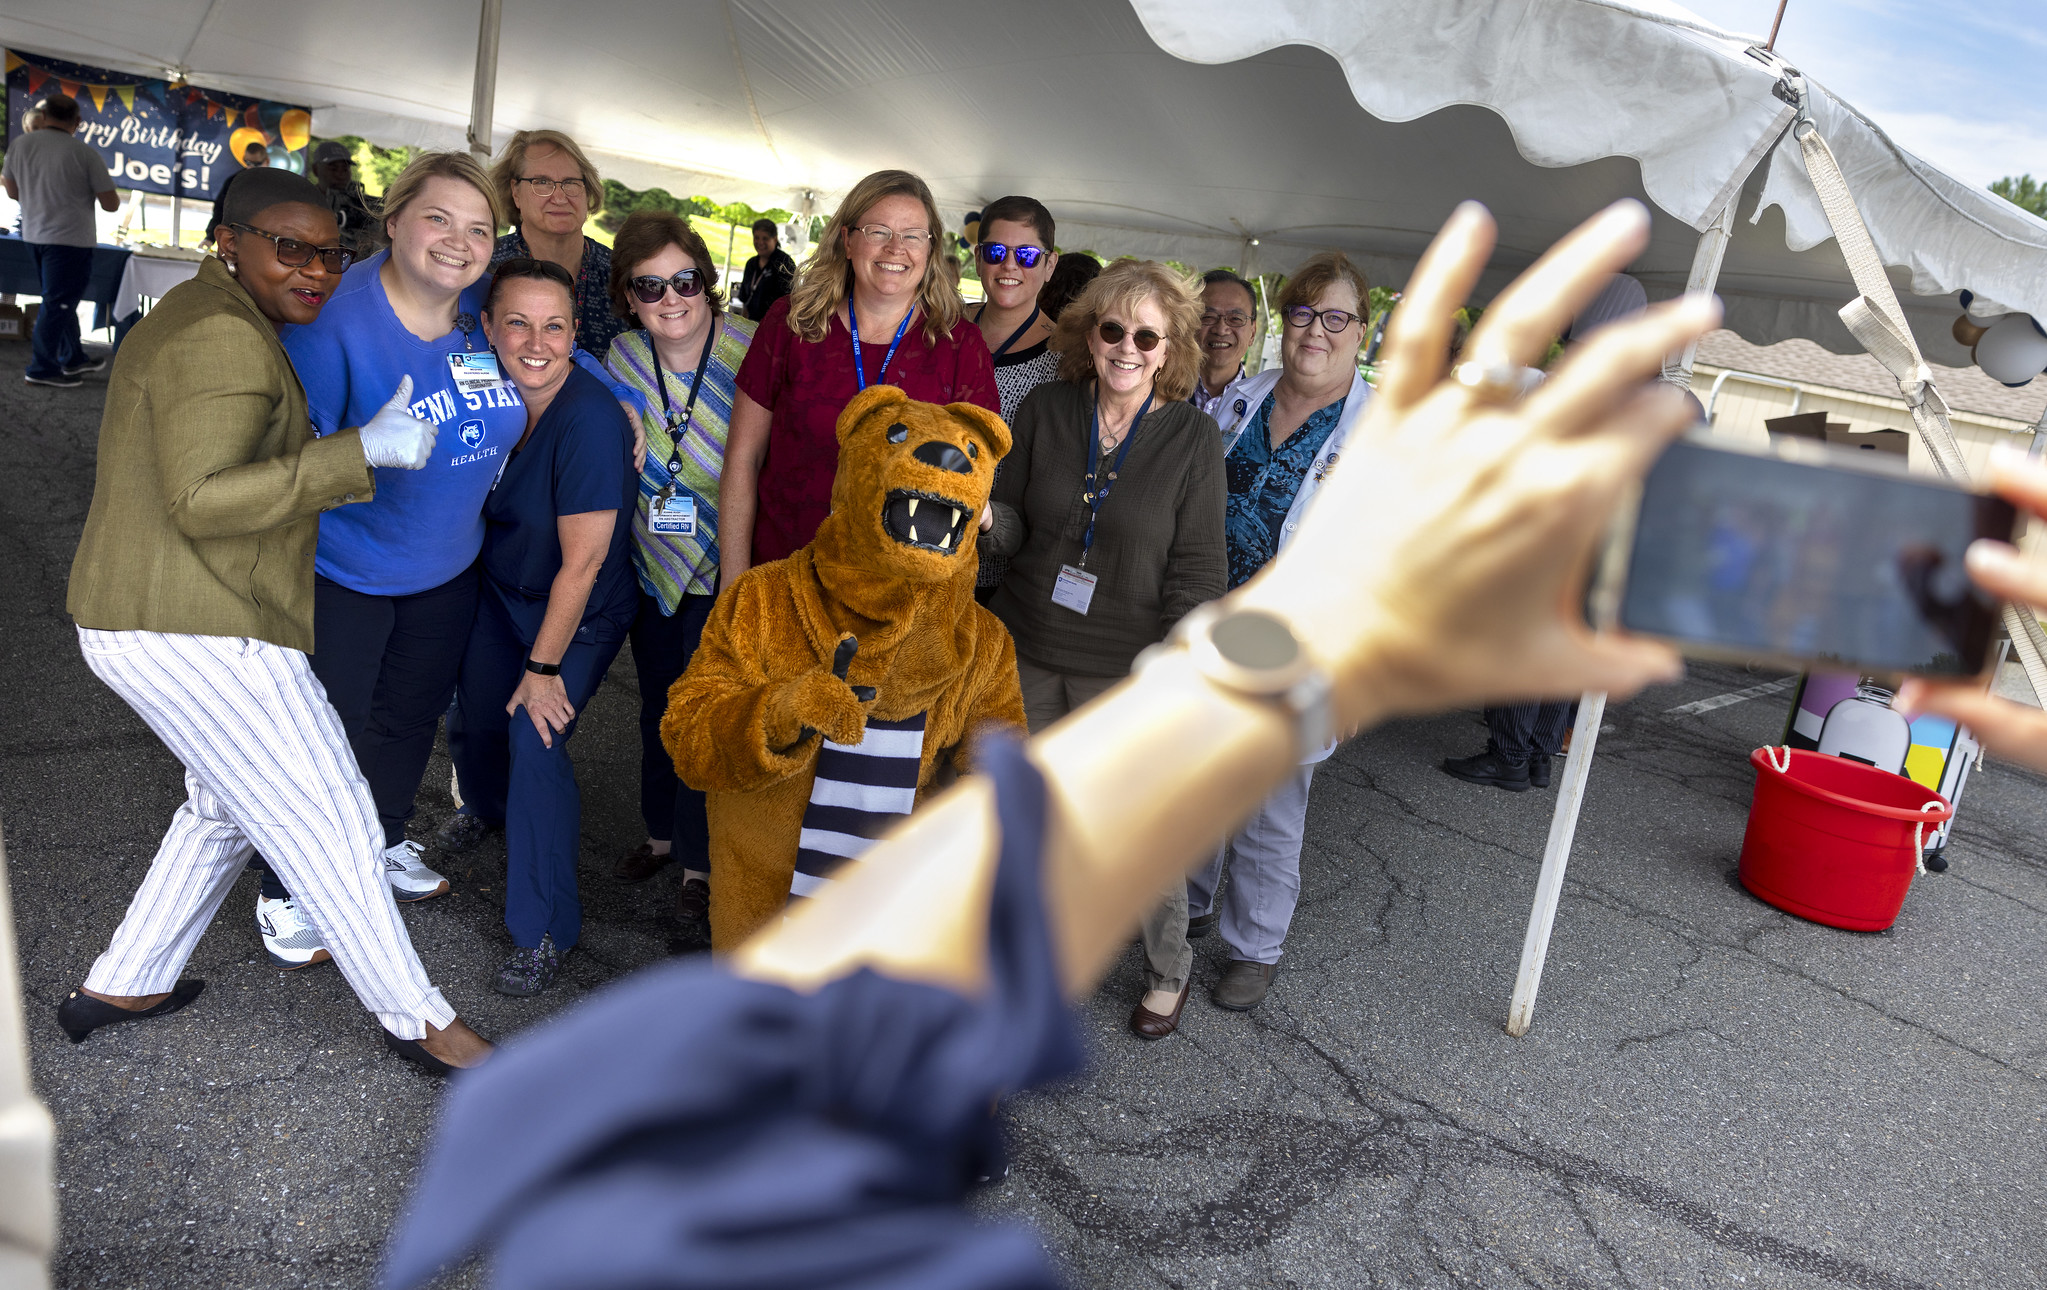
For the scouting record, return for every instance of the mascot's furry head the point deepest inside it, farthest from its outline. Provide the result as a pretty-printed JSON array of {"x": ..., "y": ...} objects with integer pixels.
[{"x": 912, "y": 481}]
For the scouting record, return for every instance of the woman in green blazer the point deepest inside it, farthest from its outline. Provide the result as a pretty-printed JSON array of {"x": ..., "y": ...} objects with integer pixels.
[{"x": 193, "y": 594}]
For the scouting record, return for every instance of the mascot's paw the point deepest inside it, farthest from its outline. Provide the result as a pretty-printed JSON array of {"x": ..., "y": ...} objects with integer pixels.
[{"x": 816, "y": 702}]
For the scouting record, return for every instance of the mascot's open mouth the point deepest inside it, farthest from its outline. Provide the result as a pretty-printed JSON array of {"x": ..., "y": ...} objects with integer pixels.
[{"x": 925, "y": 520}]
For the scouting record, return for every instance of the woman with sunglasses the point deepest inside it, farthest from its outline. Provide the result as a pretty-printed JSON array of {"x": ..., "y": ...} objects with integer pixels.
[
  {"x": 1284, "y": 431},
  {"x": 558, "y": 600},
  {"x": 395, "y": 581},
  {"x": 683, "y": 360},
  {"x": 193, "y": 592},
  {"x": 1016, "y": 260},
  {"x": 1110, "y": 511},
  {"x": 551, "y": 190},
  {"x": 872, "y": 306}
]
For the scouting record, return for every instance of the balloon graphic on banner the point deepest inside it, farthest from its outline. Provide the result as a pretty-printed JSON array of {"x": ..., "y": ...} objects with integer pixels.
[
  {"x": 296, "y": 126},
  {"x": 282, "y": 158},
  {"x": 2013, "y": 350}
]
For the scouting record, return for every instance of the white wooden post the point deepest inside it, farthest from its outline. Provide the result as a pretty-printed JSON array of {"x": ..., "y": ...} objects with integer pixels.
[
  {"x": 484, "y": 91},
  {"x": 1556, "y": 854}
]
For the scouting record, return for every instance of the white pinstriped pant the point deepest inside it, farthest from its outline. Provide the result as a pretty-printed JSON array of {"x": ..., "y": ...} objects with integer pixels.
[{"x": 266, "y": 766}]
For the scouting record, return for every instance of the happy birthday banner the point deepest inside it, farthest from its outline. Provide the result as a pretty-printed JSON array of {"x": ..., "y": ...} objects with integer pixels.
[{"x": 153, "y": 131}]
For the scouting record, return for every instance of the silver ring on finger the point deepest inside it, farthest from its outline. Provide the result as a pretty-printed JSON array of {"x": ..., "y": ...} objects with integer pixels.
[{"x": 1497, "y": 382}]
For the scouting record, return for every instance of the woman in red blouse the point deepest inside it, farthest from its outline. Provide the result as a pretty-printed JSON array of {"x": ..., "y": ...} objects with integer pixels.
[{"x": 871, "y": 307}]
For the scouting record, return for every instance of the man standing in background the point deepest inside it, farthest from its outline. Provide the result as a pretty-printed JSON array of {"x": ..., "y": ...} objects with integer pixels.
[
  {"x": 769, "y": 274},
  {"x": 56, "y": 178},
  {"x": 1229, "y": 312},
  {"x": 332, "y": 169}
]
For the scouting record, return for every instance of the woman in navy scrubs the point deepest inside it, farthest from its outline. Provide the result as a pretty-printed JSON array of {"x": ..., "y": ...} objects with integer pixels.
[{"x": 558, "y": 598}]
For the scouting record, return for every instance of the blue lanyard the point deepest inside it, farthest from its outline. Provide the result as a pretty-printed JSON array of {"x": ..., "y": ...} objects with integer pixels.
[
  {"x": 1095, "y": 494},
  {"x": 859, "y": 367}
]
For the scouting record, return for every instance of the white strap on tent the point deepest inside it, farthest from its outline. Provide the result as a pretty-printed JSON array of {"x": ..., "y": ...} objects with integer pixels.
[{"x": 1878, "y": 322}]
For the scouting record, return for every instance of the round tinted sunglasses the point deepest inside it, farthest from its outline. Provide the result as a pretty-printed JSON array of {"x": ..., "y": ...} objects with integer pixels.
[
  {"x": 1112, "y": 333},
  {"x": 1027, "y": 256},
  {"x": 649, "y": 289}
]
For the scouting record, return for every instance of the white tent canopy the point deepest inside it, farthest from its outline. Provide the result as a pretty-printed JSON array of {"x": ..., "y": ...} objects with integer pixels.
[{"x": 1208, "y": 131}]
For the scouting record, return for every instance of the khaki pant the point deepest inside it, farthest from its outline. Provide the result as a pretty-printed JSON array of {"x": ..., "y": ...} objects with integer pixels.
[{"x": 1048, "y": 696}]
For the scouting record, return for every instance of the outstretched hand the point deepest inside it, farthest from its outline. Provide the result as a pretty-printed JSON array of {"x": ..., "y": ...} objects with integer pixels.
[
  {"x": 2006, "y": 728},
  {"x": 1444, "y": 562}
]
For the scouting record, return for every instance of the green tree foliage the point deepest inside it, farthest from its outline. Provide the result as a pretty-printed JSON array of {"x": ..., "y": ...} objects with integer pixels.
[
  {"x": 620, "y": 201},
  {"x": 2024, "y": 192}
]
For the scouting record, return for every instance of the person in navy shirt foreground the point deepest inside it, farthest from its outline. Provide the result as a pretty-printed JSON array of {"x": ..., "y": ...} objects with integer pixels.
[{"x": 559, "y": 595}]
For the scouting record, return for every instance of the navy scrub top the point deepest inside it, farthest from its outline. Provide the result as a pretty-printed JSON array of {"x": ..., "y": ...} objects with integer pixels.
[{"x": 578, "y": 459}]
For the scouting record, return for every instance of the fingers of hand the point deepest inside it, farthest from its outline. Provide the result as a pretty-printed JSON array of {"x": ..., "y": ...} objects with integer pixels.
[
  {"x": 2003, "y": 727},
  {"x": 1520, "y": 323},
  {"x": 1418, "y": 336},
  {"x": 2020, "y": 480},
  {"x": 1611, "y": 367},
  {"x": 1999, "y": 569}
]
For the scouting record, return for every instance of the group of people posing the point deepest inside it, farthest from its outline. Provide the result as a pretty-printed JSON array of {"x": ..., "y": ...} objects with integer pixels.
[{"x": 338, "y": 498}]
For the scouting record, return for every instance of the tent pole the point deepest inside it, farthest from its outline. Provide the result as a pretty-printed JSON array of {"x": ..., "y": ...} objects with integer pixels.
[
  {"x": 485, "y": 92},
  {"x": 1563, "y": 826},
  {"x": 177, "y": 213}
]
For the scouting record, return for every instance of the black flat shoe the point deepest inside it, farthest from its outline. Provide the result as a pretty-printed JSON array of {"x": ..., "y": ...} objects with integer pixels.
[
  {"x": 415, "y": 1052},
  {"x": 80, "y": 1014}
]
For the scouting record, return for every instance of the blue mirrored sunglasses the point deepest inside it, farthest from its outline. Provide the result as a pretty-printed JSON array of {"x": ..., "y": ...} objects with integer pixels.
[{"x": 1027, "y": 256}]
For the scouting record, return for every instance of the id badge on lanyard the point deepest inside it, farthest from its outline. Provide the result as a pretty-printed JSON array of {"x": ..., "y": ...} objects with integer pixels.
[{"x": 1075, "y": 587}]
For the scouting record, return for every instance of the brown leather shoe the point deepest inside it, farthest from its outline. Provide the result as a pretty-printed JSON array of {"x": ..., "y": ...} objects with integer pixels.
[
  {"x": 1146, "y": 1024},
  {"x": 693, "y": 918},
  {"x": 640, "y": 864},
  {"x": 1244, "y": 985}
]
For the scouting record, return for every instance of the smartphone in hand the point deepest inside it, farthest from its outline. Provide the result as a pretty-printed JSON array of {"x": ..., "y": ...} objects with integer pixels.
[{"x": 1810, "y": 557}]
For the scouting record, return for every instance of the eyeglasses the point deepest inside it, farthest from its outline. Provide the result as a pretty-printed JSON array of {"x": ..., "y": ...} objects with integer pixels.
[
  {"x": 294, "y": 254},
  {"x": 525, "y": 267},
  {"x": 1027, "y": 256},
  {"x": 649, "y": 289},
  {"x": 571, "y": 188},
  {"x": 916, "y": 239},
  {"x": 1235, "y": 319},
  {"x": 1112, "y": 333},
  {"x": 1334, "y": 321}
]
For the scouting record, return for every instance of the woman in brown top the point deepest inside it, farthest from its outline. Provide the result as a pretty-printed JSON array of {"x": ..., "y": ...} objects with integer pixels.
[{"x": 1110, "y": 511}]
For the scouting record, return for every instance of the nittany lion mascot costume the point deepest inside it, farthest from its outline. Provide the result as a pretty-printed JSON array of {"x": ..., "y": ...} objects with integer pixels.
[{"x": 835, "y": 687}]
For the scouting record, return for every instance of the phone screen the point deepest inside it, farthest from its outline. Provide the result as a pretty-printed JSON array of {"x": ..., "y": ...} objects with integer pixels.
[{"x": 1822, "y": 564}]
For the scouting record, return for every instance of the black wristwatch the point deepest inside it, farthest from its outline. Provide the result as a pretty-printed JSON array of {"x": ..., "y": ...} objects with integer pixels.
[{"x": 543, "y": 669}]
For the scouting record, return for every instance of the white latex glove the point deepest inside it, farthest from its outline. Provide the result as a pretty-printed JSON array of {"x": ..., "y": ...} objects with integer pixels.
[{"x": 395, "y": 437}]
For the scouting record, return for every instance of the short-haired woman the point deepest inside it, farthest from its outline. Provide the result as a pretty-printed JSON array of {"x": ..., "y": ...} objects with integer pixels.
[
  {"x": 395, "y": 584},
  {"x": 558, "y": 600},
  {"x": 193, "y": 591},
  {"x": 684, "y": 360},
  {"x": 1283, "y": 433},
  {"x": 550, "y": 190},
  {"x": 871, "y": 307},
  {"x": 1110, "y": 511},
  {"x": 1016, "y": 260}
]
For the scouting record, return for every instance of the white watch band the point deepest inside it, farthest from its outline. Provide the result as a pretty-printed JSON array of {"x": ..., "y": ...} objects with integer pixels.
[{"x": 1255, "y": 653}]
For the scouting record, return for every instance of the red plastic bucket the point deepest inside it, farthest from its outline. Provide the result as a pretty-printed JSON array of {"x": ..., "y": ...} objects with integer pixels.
[{"x": 1834, "y": 840}]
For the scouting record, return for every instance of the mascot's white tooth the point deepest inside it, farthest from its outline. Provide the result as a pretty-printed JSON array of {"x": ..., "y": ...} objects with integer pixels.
[
  {"x": 945, "y": 542},
  {"x": 955, "y": 515},
  {"x": 913, "y": 507}
]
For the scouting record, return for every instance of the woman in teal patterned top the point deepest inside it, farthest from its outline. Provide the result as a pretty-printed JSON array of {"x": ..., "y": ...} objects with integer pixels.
[{"x": 682, "y": 358}]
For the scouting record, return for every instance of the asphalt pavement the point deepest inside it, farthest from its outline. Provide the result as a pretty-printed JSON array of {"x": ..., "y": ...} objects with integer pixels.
[{"x": 1713, "y": 1093}]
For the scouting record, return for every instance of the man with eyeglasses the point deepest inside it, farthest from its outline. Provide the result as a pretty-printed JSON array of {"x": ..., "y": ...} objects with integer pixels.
[{"x": 1229, "y": 313}]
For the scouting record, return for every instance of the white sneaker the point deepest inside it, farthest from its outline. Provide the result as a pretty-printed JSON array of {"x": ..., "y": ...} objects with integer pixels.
[
  {"x": 410, "y": 880},
  {"x": 288, "y": 937}
]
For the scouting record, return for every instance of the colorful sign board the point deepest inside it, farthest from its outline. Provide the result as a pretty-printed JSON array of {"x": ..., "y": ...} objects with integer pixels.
[{"x": 160, "y": 136}]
